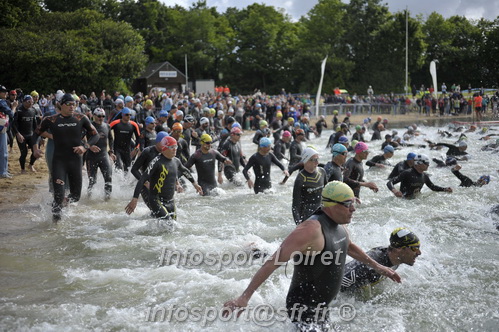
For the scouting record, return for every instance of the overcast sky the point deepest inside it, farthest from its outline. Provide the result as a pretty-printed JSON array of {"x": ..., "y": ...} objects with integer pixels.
[{"x": 472, "y": 9}]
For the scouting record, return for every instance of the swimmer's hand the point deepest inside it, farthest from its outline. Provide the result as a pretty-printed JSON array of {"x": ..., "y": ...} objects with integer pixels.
[
  {"x": 372, "y": 186},
  {"x": 37, "y": 153},
  {"x": 250, "y": 184},
  {"x": 389, "y": 273},
  {"x": 198, "y": 188},
  {"x": 79, "y": 149},
  {"x": 449, "y": 190},
  {"x": 286, "y": 173},
  {"x": 131, "y": 206},
  {"x": 95, "y": 149},
  {"x": 238, "y": 304},
  {"x": 397, "y": 193}
]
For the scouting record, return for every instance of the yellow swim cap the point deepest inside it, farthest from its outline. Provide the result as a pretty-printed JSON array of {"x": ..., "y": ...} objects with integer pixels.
[
  {"x": 205, "y": 138},
  {"x": 336, "y": 191}
]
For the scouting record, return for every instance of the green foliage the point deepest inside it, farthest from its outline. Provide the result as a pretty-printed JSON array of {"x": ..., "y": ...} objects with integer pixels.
[
  {"x": 74, "y": 51},
  {"x": 18, "y": 13},
  {"x": 102, "y": 44}
]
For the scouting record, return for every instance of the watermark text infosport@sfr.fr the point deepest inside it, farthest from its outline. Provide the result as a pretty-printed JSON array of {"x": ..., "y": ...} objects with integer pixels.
[
  {"x": 242, "y": 258},
  {"x": 261, "y": 315}
]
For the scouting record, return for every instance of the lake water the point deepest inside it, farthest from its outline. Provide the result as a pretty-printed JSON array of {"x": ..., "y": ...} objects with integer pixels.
[{"x": 102, "y": 270}]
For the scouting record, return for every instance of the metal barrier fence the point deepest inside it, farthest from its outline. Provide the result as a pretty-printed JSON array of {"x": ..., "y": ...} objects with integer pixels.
[{"x": 367, "y": 109}]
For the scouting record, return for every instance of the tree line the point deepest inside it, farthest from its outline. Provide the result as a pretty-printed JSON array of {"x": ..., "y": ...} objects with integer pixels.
[{"x": 91, "y": 45}]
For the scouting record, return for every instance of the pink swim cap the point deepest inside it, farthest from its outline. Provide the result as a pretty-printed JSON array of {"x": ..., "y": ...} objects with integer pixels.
[
  {"x": 361, "y": 147},
  {"x": 286, "y": 134}
]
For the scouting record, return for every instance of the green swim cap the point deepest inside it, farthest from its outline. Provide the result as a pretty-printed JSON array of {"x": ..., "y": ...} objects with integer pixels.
[
  {"x": 403, "y": 237},
  {"x": 336, "y": 191}
]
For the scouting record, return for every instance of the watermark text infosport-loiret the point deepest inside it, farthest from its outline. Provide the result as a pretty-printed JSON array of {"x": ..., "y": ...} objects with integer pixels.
[
  {"x": 262, "y": 315},
  {"x": 219, "y": 260}
]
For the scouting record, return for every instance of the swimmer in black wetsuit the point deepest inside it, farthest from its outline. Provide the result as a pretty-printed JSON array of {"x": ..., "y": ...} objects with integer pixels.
[
  {"x": 333, "y": 168},
  {"x": 296, "y": 148},
  {"x": 381, "y": 160},
  {"x": 308, "y": 186},
  {"x": 466, "y": 181},
  {"x": 140, "y": 166},
  {"x": 412, "y": 180},
  {"x": 205, "y": 161},
  {"x": 454, "y": 151},
  {"x": 404, "y": 248},
  {"x": 162, "y": 174},
  {"x": 183, "y": 149},
  {"x": 403, "y": 165},
  {"x": 98, "y": 156},
  {"x": 261, "y": 162},
  {"x": 353, "y": 175},
  {"x": 281, "y": 145},
  {"x": 124, "y": 129},
  {"x": 232, "y": 149},
  {"x": 318, "y": 247},
  {"x": 23, "y": 128},
  {"x": 66, "y": 129}
]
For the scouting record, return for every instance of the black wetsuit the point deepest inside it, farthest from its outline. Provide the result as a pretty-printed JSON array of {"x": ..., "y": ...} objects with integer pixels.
[
  {"x": 25, "y": 123},
  {"x": 358, "y": 274},
  {"x": 256, "y": 138},
  {"x": 139, "y": 168},
  {"x": 261, "y": 166},
  {"x": 234, "y": 152},
  {"x": 379, "y": 159},
  {"x": 123, "y": 133},
  {"x": 376, "y": 135},
  {"x": 280, "y": 149},
  {"x": 205, "y": 168},
  {"x": 67, "y": 134},
  {"x": 465, "y": 181},
  {"x": 162, "y": 175},
  {"x": 333, "y": 172},
  {"x": 411, "y": 182},
  {"x": 358, "y": 137},
  {"x": 100, "y": 159},
  {"x": 148, "y": 138},
  {"x": 318, "y": 281},
  {"x": 183, "y": 150},
  {"x": 307, "y": 192},
  {"x": 453, "y": 150},
  {"x": 353, "y": 174},
  {"x": 295, "y": 152},
  {"x": 399, "y": 168}
]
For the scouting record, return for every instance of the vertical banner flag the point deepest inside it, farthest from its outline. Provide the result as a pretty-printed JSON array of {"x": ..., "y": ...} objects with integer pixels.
[
  {"x": 433, "y": 72},
  {"x": 319, "y": 91}
]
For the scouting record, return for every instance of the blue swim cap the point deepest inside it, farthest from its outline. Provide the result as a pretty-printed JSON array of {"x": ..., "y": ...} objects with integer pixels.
[
  {"x": 163, "y": 113},
  {"x": 161, "y": 135},
  {"x": 411, "y": 156},
  {"x": 338, "y": 149},
  {"x": 150, "y": 120},
  {"x": 343, "y": 139},
  {"x": 388, "y": 149},
  {"x": 484, "y": 178},
  {"x": 265, "y": 142},
  {"x": 126, "y": 110},
  {"x": 236, "y": 124}
]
